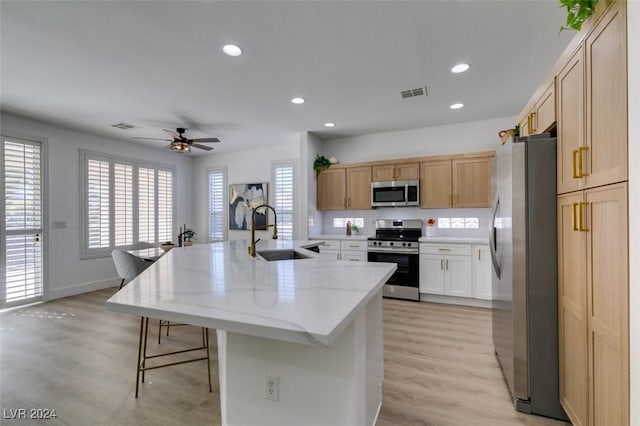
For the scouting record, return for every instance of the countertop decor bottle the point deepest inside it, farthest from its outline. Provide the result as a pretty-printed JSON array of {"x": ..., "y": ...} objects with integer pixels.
[{"x": 348, "y": 228}]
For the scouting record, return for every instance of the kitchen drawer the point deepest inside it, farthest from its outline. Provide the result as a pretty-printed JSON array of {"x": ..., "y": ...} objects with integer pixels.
[
  {"x": 353, "y": 245},
  {"x": 329, "y": 254},
  {"x": 446, "y": 249},
  {"x": 329, "y": 244},
  {"x": 354, "y": 256}
]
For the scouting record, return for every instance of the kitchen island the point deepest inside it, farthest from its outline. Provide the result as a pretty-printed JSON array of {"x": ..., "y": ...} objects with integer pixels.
[{"x": 313, "y": 325}]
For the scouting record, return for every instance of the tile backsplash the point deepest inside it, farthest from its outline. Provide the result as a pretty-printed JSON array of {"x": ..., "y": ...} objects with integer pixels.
[{"x": 459, "y": 217}]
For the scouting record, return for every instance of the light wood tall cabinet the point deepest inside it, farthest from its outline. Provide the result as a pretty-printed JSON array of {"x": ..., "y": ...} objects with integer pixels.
[
  {"x": 456, "y": 183},
  {"x": 593, "y": 310},
  {"x": 390, "y": 172},
  {"x": 542, "y": 114}
]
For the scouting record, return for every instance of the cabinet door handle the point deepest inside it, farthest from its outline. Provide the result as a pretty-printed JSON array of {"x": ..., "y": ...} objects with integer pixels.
[
  {"x": 574, "y": 216},
  {"x": 532, "y": 127},
  {"x": 353, "y": 246},
  {"x": 478, "y": 254},
  {"x": 446, "y": 264},
  {"x": 344, "y": 202},
  {"x": 441, "y": 263},
  {"x": 581, "y": 221},
  {"x": 580, "y": 150},
  {"x": 574, "y": 165},
  {"x": 450, "y": 200},
  {"x": 444, "y": 249}
]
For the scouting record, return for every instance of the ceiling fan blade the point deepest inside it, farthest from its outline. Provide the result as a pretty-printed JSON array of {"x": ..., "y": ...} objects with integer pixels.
[
  {"x": 197, "y": 145},
  {"x": 154, "y": 139},
  {"x": 172, "y": 133},
  {"x": 205, "y": 140}
]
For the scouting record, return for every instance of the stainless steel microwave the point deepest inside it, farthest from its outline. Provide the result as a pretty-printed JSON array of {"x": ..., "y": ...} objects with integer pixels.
[{"x": 399, "y": 193}]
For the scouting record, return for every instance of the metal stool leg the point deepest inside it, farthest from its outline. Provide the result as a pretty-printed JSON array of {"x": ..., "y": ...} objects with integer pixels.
[
  {"x": 144, "y": 348},
  {"x": 139, "y": 355},
  {"x": 205, "y": 342}
]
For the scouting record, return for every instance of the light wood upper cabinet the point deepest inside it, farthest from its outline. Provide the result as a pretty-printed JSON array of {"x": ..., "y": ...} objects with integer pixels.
[
  {"x": 390, "y": 172},
  {"x": 606, "y": 137},
  {"x": 456, "y": 183},
  {"x": 540, "y": 114},
  {"x": 592, "y": 108},
  {"x": 571, "y": 123},
  {"x": 435, "y": 184},
  {"x": 344, "y": 188},
  {"x": 331, "y": 189},
  {"x": 358, "y": 188},
  {"x": 470, "y": 182}
]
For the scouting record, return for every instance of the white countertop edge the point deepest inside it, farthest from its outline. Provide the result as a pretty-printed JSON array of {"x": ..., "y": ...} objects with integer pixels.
[
  {"x": 455, "y": 240},
  {"x": 275, "y": 333},
  {"x": 357, "y": 237}
]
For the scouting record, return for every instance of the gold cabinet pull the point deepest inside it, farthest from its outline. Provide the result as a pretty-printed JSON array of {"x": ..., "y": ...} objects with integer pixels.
[
  {"x": 532, "y": 127},
  {"x": 441, "y": 263},
  {"x": 580, "y": 151},
  {"x": 574, "y": 164},
  {"x": 446, "y": 264},
  {"x": 529, "y": 125},
  {"x": 574, "y": 216},
  {"x": 478, "y": 254},
  {"x": 444, "y": 249},
  {"x": 344, "y": 202},
  {"x": 581, "y": 220}
]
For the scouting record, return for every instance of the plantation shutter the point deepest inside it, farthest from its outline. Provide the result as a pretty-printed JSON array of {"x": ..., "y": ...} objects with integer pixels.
[
  {"x": 98, "y": 203},
  {"x": 146, "y": 205},
  {"x": 216, "y": 205},
  {"x": 165, "y": 205},
  {"x": 283, "y": 182},
  {"x": 22, "y": 281},
  {"x": 123, "y": 204}
]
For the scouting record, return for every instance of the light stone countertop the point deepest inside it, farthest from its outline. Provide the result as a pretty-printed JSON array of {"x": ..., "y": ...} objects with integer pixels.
[
  {"x": 456, "y": 240},
  {"x": 220, "y": 286}
]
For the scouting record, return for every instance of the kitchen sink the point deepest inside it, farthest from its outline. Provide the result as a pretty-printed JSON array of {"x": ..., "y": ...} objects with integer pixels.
[{"x": 272, "y": 255}]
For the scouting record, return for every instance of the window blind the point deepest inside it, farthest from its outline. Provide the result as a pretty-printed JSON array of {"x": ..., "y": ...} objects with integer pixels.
[
  {"x": 165, "y": 205},
  {"x": 216, "y": 205},
  {"x": 123, "y": 204},
  {"x": 98, "y": 203},
  {"x": 146, "y": 205},
  {"x": 23, "y": 222},
  {"x": 283, "y": 191}
]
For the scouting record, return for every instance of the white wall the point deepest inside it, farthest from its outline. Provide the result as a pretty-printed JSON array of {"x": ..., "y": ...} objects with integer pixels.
[
  {"x": 248, "y": 166},
  {"x": 67, "y": 274},
  {"x": 310, "y": 146},
  {"x": 439, "y": 140},
  {"x": 633, "y": 49}
]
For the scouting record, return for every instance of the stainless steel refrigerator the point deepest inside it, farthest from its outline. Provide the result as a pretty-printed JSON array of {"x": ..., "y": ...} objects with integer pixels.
[{"x": 523, "y": 240}]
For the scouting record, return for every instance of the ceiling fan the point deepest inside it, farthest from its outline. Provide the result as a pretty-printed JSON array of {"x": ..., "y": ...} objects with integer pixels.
[{"x": 180, "y": 143}]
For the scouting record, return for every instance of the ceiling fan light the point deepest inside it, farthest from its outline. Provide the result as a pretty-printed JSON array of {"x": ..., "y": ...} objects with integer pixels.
[{"x": 180, "y": 147}]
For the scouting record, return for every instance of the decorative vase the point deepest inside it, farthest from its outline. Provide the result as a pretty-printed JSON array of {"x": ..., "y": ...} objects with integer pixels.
[
  {"x": 187, "y": 243},
  {"x": 431, "y": 230}
]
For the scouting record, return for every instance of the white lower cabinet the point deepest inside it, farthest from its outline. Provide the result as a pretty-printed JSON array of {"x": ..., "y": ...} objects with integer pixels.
[
  {"x": 350, "y": 250},
  {"x": 445, "y": 269},
  {"x": 482, "y": 272}
]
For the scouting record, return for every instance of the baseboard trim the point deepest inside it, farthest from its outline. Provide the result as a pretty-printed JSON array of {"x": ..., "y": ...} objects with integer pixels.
[
  {"x": 76, "y": 289},
  {"x": 453, "y": 300}
]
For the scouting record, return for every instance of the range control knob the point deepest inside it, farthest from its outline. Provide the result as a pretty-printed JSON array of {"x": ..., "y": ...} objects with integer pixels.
[
  {"x": 390, "y": 244},
  {"x": 404, "y": 244},
  {"x": 408, "y": 244}
]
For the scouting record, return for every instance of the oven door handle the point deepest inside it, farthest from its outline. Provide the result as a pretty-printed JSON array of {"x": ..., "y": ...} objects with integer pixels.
[{"x": 394, "y": 251}]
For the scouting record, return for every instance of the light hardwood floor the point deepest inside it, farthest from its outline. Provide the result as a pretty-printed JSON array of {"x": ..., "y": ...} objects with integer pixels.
[{"x": 73, "y": 356}]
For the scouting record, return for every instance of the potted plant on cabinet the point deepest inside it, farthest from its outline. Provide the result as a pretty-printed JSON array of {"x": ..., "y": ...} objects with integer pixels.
[{"x": 187, "y": 236}]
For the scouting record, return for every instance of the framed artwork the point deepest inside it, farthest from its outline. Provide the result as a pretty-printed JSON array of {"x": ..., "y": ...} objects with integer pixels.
[{"x": 243, "y": 198}]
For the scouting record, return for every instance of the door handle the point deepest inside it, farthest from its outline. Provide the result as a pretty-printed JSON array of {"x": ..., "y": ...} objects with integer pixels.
[
  {"x": 581, "y": 220},
  {"x": 574, "y": 164},
  {"x": 446, "y": 264},
  {"x": 478, "y": 254},
  {"x": 580, "y": 151},
  {"x": 532, "y": 127},
  {"x": 574, "y": 216},
  {"x": 441, "y": 263}
]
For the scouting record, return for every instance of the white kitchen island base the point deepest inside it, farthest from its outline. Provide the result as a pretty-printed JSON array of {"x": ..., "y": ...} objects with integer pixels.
[{"x": 336, "y": 385}]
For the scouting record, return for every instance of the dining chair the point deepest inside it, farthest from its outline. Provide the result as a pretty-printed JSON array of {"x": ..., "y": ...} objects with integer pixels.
[
  {"x": 128, "y": 265},
  {"x": 141, "y": 245}
]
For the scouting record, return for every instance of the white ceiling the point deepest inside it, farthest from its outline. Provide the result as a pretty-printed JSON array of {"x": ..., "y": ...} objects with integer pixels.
[{"x": 90, "y": 64}]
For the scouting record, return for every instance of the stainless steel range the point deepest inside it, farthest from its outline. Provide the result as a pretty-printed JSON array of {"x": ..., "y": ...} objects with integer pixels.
[{"x": 396, "y": 241}]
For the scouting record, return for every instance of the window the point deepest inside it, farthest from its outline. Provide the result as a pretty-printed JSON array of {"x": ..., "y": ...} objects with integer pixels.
[
  {"x": 283, "y": 190},
  {"x": 125, "y": 202},
  {"x": 216, "y": 180},
  {"x": 459, "y": 222},
  {"x": 341, "y": 222}
]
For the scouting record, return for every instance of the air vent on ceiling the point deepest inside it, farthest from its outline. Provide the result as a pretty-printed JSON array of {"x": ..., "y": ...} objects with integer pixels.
[
  {"x": 124, "y": 126},
  {"x": 412, "y": 93}
]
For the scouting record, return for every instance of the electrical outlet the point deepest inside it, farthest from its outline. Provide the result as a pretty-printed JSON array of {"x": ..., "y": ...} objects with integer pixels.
[{"x": 272, "y": 388}]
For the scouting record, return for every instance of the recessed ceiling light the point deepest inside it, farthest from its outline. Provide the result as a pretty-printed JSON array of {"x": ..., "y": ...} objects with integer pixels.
[
  {"x": 297, "y": 101},
  {"x": 231, "y": 50},
  {"x": 456, "y": 106},
  {"x": 460, "y": 68},
  {"x": 329, "y": 124}
]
